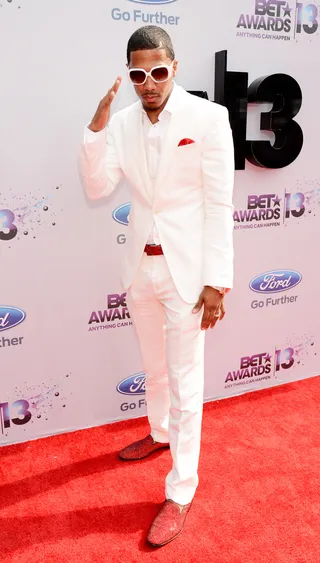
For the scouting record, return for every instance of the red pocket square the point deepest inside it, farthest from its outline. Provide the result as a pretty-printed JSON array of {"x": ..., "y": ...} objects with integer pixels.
[{"x": 185, "y": 142}]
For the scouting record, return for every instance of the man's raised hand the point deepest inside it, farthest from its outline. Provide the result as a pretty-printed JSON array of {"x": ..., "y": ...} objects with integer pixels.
[{"x": 102, "y": 115}]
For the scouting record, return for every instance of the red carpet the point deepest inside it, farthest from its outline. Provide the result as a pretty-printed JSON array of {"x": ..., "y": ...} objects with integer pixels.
[{"x": 69, "y": 499}]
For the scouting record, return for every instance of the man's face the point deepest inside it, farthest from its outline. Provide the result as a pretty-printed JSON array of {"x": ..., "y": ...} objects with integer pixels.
[{"x": 152, "y": 94}]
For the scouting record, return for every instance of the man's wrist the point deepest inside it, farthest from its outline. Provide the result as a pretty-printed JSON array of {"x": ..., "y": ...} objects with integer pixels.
[
  {"x": 93, "y": 128},
  {"x": 222, "y": 290}
]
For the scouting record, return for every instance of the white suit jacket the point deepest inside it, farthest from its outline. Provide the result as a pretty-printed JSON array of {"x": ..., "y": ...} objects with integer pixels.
[{"x": 191, "y": 200}]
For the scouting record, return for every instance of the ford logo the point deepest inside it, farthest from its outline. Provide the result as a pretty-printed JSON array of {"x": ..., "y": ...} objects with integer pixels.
[
  {"x": 153, "y": 1},
  {"x": 133, "y": 385},
  {"x": 121, "y": 214},
  {"x": 10, "y": 317},
  {"x": 275, "y": 281}
]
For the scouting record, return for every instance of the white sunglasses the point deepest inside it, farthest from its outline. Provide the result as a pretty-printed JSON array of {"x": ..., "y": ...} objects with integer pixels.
[{"x": 159, "y": 73}]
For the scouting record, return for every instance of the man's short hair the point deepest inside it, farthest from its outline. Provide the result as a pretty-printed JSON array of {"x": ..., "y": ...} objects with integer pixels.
[{"x": 150, "y": 37}]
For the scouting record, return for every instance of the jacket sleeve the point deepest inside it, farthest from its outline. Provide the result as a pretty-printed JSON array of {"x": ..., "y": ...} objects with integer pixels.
[
  {"x": 218, "y": 180},
  {"x": 98, "y": 163}
]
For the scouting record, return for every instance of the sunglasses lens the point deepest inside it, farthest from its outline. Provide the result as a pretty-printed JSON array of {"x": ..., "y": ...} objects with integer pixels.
[
  {"x": 160, "y": 74},
  {"x": 137, "y": 76}
]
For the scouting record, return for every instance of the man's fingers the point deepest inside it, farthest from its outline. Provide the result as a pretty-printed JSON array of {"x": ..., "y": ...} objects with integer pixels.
[
  {"x": 110, "y": 97},
  {"x": 218, "y": 317},
  {"x": 207, "y": 318},
  {"x": 214, "y": 322},
  {"x": 211, "y": 316},
  {"x": 112, "y": 92},
  {"x": 116, "y": 85},
  {"x": 106, "y": 101},
  {"x": 214, "y": 317},
  {"x": 213, "y": 308},
  {"x": 198, "y": 305},
  {"x": 205, "y": 323}
]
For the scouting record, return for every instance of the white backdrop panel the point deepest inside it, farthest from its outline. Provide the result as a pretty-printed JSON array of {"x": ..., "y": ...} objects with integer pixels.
[{"x": 63, "y": 266}]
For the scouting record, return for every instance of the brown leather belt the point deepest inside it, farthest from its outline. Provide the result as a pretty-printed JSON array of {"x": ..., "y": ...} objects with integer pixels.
[{"x": 153, "y": 250}]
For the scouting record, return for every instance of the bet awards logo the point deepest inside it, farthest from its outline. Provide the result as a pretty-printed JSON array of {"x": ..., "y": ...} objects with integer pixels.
[
  {"x": 259, "y": 367},
  {"x": 115, "y": 316},
  {"x": 268, "y": 210},
  {"x": 276, "y": 19}
]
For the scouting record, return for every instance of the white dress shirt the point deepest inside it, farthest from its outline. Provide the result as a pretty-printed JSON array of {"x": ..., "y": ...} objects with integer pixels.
[{"x": 154, "y": 134}]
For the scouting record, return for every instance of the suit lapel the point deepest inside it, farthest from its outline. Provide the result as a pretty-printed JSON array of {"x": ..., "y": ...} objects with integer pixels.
[
  {"x": 138, "y": 151},
  {"x": 171, "y": 139},
  {"x": 169, "y": 143},
  {"x": 137, "y": 148}
]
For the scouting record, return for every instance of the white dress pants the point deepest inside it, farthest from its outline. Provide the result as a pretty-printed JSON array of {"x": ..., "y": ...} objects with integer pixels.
[{"x": 172, "y": 347}]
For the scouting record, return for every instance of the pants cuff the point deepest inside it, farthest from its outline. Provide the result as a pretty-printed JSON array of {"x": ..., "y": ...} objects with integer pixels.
[
  {"x": 180, "y": 499},
  {"x": 161, "y": 437},
  {"x": 181, "y": 495}
]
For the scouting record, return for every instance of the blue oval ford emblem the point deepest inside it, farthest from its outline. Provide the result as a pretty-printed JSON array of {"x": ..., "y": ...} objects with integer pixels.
[
  {"x": 121, "y": 213},
  {"x": 133, "y": 385},
  {"x": 153, "y": 1},
  {"x": 275, "y": 281},
  {"x": 10, "y": 317}
]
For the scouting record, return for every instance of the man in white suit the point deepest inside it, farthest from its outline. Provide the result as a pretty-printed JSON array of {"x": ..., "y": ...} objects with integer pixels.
[{"x": 176, "y": 150}]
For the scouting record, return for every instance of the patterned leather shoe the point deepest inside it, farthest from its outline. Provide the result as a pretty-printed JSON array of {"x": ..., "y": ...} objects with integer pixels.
[
  {"x": 141, "y": 449},
  {"x": 168, "y": 524}
]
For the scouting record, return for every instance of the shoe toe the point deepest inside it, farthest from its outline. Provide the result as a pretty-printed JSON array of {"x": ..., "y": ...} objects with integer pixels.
[{"x": 168, "y": 524}]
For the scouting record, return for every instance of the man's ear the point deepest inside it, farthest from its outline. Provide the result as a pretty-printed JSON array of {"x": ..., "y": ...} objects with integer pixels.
[{"x": 175, "y": 68}]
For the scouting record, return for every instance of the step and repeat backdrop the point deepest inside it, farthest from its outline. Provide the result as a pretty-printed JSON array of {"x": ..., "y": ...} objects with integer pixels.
[{"x": 69, "y": 354}]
